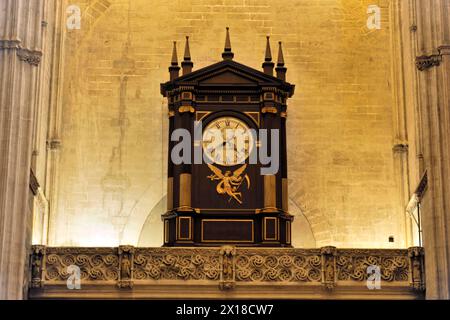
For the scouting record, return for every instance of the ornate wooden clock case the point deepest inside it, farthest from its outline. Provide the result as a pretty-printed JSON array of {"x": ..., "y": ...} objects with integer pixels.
[{"x": 224, "y": 202}]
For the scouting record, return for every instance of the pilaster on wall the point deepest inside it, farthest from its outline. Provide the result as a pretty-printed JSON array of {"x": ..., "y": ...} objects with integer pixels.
[
  {"x": 401, "y": 145},
  {"x": 22, "y": 28},
  {"x": 425, "y": 33}
]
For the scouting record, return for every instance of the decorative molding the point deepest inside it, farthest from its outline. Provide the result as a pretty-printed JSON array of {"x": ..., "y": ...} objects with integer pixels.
[
  {"x": 272, "y": 110},
  {"x": 54, "y": 144},
  {"x": 444, "y": 50},
  {"x": 352, "y": 264},
  {"x": 425, "y": 62},
  {"x": 96, "y": 264},
  {"x": 226, "y": 268},
  {"x": 184, "y": 109},
  {"x": 33, "y": 57},
  {"x": 182, "y": 264},
  {"x": 10, "y": 44},
  {"x": 286, "y": 265},
  {"x": 401, "y": 147}
]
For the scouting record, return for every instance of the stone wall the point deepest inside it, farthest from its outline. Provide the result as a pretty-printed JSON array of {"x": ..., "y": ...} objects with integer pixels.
[{"x": 111, "y": 172}]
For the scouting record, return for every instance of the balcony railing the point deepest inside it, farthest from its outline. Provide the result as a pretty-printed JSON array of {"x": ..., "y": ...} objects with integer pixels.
[{"x": 226, "y": 272}]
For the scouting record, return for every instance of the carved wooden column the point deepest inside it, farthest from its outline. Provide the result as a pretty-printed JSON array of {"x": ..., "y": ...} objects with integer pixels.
[{"x": 269, "y": 121}]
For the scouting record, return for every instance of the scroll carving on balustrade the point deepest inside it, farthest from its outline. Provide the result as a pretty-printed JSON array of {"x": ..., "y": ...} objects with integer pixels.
[
  {"x": 96, "y": 264},
  {"x": 127, "y": 266},
  {"x": 352, "y": 264},
  {"x": 176, "y": 264},
  {"x": 278, "y": 265}
]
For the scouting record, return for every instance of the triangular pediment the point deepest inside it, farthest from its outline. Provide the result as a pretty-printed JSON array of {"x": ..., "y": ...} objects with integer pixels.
[
  {"x": 227, "y": 73},
  {"x": 227, "y": 76}
]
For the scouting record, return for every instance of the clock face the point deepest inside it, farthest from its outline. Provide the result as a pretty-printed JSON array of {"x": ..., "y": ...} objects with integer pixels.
[{"x": 227, "y": 141}]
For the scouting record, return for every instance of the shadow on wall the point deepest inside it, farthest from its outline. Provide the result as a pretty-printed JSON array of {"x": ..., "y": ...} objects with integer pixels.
[{"x": 152, "y": 230}]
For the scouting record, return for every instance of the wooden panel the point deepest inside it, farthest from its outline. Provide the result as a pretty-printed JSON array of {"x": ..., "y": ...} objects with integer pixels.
[
  {"x": 184, "y": 228},
  {"x": 285, "y": 197},
  {"x": 270, "y": 229},
  {"x": 166, "y": 231},
  {"x": 270, "y": 191},
  {"x": 227, "y": 230},
  {"x": 170, "y": 193},
  {"x": 288, "y": 232},
  {"x": 185, "y": 190}
]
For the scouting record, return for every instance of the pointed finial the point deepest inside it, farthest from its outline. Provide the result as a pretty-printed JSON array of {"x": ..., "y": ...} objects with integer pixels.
[
  {"x": 268, "y": 64},
  {"x": 174, "y": 69},
  {"x": 187, "y": 51},
  {"x": 281, "y": 69},
  {"x": 187, "y": 64},
  {"x": 268, "y": 56},
  {"x": 280, "y": 55},
  {"x": 227, "y": 53},
  {"x": 174, "y": 54}
]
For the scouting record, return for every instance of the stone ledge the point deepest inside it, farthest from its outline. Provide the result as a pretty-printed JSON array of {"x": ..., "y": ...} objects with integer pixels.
[
  {"x": 32, "y": 57},
  {"x": 226, "y": 273}
]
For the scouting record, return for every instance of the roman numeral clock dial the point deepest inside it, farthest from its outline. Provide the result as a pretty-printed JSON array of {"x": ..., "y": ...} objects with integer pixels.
[{"x": 227, "y": 141}]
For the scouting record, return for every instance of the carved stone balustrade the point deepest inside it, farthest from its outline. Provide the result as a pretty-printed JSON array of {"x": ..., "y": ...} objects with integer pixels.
[{"x": 227, "y": 273}]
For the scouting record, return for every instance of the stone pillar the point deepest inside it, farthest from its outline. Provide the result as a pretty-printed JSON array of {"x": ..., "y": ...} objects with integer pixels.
[
  {"x": 433, "y": 63},
  {"x": 425, "y": 34},
  {"x": 20, "y": 56}
]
